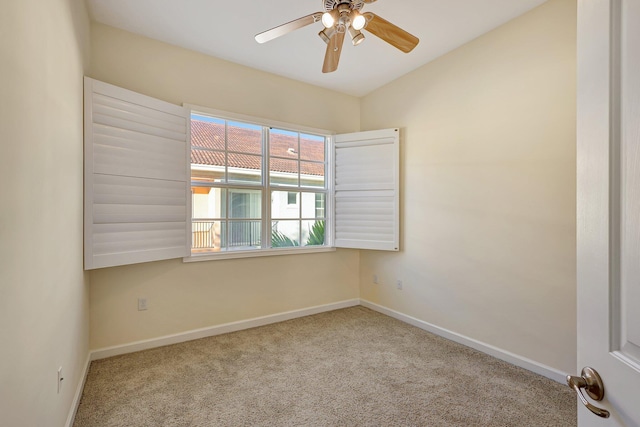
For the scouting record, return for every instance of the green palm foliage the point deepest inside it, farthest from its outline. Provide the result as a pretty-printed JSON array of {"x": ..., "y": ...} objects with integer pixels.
[
  {"x": 316, "y": 234},
  {"x": 316, "y": 237},
  {"x": 279, "y": 240}
]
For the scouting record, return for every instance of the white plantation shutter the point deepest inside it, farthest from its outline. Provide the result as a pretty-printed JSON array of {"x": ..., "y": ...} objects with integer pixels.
[
  {"x": 136, "y": 177},
  {"x": 367, "y": 190}
]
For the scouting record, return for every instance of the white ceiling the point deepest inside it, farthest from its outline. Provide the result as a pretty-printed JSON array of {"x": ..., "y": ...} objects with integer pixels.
[{"x": 225, "y": 29}]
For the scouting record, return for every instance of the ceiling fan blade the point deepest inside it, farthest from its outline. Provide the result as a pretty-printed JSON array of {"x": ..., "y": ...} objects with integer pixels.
[
  {"x": 332, "y": 55},
  {"x": 283, "y": 29},
  {"x": 392, "y": 34}
]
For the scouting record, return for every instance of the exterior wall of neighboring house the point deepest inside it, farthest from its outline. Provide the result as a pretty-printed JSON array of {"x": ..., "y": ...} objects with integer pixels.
[
  {"x": 305, "y": 206},
  {"x": 44, "y": 292},
  {"x": 488, "y": 178},
  {"x": 183, "y": 297}
]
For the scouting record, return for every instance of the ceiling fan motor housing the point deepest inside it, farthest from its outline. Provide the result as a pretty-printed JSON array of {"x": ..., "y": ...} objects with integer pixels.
[{"x": 329, "y": 5}]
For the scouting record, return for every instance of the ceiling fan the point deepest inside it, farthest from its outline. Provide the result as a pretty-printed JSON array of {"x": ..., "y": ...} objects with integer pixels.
[{"x": 341, "y": 17}]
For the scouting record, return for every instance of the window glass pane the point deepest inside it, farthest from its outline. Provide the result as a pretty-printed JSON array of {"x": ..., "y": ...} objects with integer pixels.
[
  {"x": 283, "y": 172},
  {"x": 320, "y": 205},
  {"x": 244, "y": 168},
  {"x": 283, "y": 143},
  {"x": 207, "y": 166},
  {"x": 208, "y": 202},
  {"x": 207, "y": 149},
  {"x": 244, "y": 138},
  {"x": 313, "y": 233},
  {"x": 285, "y": 233},
  {"x": 244, "y": 235},
  {"x": 207, "y": 132},
  {"x": 280, "y": 206},
  {"x": 207, "y": 206},
  {"x": 245, "y": 204},
  {"x": 312, "y": 174},
  {"x": 313, "y": 205},
  {"x": 312, "y": 147},
  {"x": 207, "y": 236}
]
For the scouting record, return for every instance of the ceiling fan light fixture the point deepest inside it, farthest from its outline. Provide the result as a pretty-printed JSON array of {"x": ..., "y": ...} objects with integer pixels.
[
  {"x": 358, "y": 21},
  {"x": 326, "y": 34},
  {"x": 329, "y": 18},
  {"x": 356, "y": 36}
]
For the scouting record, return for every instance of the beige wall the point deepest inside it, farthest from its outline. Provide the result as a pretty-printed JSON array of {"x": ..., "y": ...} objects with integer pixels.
[
  {"x": 488, "y": 180},
  {"x": 184, "y": 297},
  {"x": 44, "y": 315},
  {"x": 183, "y": 76}
]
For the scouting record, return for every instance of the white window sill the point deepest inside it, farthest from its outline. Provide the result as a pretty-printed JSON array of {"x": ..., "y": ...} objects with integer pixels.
[{"x": 256, "y": 253}]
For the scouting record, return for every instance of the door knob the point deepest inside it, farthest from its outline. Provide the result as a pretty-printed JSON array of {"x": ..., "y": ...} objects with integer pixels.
[{"x": 592, "y": 383}]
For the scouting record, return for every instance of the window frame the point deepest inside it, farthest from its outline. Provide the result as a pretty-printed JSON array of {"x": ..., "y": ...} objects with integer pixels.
[{"x": 266, "y": 188}]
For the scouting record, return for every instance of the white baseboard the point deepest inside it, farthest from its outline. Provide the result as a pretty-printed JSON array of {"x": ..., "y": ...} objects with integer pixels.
[
  {"x": 78, "y": 395},
  {"x": 217, "y": 330},
  {"x": 496, "y": 352}
]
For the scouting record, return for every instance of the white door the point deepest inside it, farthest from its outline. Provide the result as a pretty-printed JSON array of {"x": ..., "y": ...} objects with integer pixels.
[{"x": 609, "y": 206}]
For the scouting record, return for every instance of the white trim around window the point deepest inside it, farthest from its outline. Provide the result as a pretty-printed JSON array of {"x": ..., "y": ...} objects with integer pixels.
[
  {"x": 256, "y": 120},
  {"x": 259, "y": 253}
]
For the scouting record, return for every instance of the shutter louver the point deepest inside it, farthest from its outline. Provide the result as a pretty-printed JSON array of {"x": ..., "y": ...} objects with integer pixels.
[
  {"x": 136, "y": 177},
  {"x": 366, "y": 190}
]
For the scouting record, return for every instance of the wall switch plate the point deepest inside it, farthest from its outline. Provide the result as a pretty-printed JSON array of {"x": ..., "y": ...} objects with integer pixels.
[
  {"x": 399, "y": 284},
  {"x": 375, "y": 279},
  {"x": 142, "y": 304}
]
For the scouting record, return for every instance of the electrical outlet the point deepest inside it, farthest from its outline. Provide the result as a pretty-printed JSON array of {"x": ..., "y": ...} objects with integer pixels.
[
  {"x": 60, "y": 378},
  {"x": 399, "y": 284},
  {"x": 375, "y": 279},
  {"x": 142, "y": 304}
]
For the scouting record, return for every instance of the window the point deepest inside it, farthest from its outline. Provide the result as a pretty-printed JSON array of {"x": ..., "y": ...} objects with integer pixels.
[
  {"x": 161, "y": 182},
  {"x": 254, "y": 187}
]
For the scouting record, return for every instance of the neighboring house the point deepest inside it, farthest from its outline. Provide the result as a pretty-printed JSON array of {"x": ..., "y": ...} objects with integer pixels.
[{"x": 292, "y": 157}]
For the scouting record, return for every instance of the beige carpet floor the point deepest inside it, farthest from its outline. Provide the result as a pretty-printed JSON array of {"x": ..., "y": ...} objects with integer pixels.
[{"x": 351, "y": 367}]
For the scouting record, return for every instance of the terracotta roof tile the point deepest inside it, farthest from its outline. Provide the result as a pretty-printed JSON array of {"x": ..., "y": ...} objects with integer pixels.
[{"x": 207, "y": 136}]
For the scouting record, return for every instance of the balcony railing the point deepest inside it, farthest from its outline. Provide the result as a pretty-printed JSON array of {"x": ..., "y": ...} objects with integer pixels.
[{"x": 213, "y": 235}]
